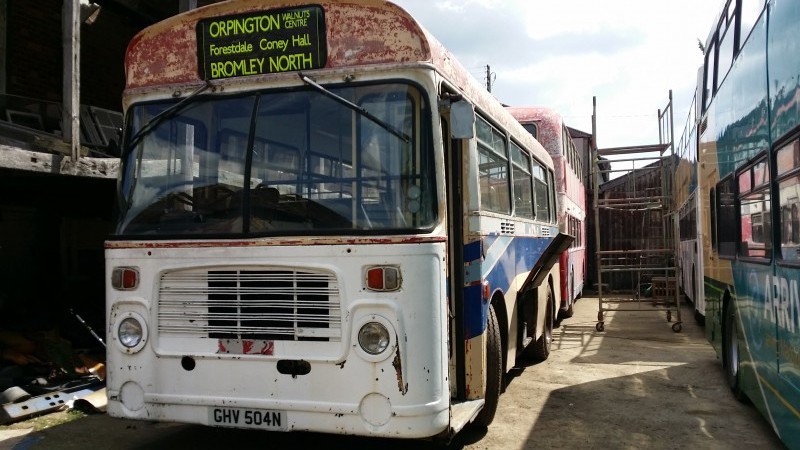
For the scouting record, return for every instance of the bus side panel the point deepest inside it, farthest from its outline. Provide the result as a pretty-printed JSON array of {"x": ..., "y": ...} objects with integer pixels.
[
  {"x": 783, "y": 50},
  {"x": 505, "y": 264},
  {"x": 717, "y": 274}
]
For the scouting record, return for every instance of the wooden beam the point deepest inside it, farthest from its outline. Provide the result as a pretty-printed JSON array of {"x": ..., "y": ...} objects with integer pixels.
[
  {"x": 71, "y": 26},
  {"x": 3, "y": 45},
  {"x": 30, "y": 161}
]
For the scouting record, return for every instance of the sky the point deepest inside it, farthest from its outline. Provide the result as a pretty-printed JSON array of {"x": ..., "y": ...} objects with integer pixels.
[{"x": 626, "y": 53}]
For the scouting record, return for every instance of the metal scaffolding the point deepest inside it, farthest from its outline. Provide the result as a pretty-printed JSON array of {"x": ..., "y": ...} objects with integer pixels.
[{"x": 634, "y": 211}]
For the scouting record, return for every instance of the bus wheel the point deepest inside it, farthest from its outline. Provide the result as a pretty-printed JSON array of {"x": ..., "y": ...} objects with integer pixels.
[
  {"x": 540, "y": 350},
  {"x": 571, "y": 299},
  {"x": 494, "y": 371},
  {"x": 731, "y": 351}
]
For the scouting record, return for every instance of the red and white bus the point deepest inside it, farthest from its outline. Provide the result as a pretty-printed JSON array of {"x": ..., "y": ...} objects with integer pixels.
[
  {"x": 548, "y": 127},
  {"x": 325, "y": 224}
]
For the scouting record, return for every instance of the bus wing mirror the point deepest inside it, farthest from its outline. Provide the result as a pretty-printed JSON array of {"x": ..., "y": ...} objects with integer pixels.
[{"x": 462, "y": 120}]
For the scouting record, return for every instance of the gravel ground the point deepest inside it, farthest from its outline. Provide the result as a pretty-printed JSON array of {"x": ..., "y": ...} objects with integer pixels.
[{"x": 637, "y": 385}]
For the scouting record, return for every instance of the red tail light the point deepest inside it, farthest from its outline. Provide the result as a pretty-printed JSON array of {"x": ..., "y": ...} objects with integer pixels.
[
  {"x": 383, "y": 278},
  {"x": 125, "y": 278}
]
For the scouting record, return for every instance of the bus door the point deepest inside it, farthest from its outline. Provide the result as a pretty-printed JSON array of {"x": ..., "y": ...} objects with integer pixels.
[
  {"x": 457, "y": 130},
  {"x": 455, "y": 252}
]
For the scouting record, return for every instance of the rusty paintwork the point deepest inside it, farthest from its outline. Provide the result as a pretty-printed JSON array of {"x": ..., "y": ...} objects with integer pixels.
[
  {"x": 360, "y": 34},
  {"x": 376, "y": 32},
  {"x": 277, "y": 241},
  {"x": 398, "y": 368},
  {"x": 549, "y": 132}
]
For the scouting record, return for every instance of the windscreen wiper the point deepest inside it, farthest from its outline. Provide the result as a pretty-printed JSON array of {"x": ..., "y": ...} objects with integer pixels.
[
  {"x": 359, "y": 109},
  {"x": 164, "y": 115},
  {"x": 151, "y": 124}
]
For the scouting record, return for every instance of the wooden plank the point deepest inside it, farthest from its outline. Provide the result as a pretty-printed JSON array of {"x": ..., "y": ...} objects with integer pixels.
[
  {"x": 71, "y": 26},
  {"x": 19, "y": 159}
]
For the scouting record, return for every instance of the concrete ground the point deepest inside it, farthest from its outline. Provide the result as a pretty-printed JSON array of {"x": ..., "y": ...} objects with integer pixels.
[{"x": 637, "y": 385}]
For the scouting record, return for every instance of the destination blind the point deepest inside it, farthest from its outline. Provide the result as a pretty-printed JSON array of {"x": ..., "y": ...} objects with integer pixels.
[{"x": 263, "y": 42}]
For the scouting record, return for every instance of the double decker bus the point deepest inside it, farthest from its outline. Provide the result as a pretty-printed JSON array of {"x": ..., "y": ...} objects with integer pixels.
[
  {"x": 325, "y": 224},
  {"x": 548, "y": 127},
  {"x": 749, "y": 192},
  {"x": 687, "y": 220}
]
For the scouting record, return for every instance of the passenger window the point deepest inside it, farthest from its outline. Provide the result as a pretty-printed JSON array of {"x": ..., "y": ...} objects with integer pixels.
[
  {"x": 726, "y": 215},
  {"x": 493, "y": 169},
  {"x": 788, "y": 164},
  {"x": 750, "y": 12},
  {"x": 755, "y": 212},
  {"x": 726, "y": 53},
  {"x": 542, "y": 197},
  {"x": 710, "y": 75},
  {"x": 523, "y": 191}
]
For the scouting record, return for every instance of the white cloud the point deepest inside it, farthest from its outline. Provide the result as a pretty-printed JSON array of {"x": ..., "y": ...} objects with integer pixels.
[{"x": 628, "y": 54}]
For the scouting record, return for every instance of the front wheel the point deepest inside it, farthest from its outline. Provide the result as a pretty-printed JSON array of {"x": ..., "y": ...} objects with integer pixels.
[{"x": 494, "y": 371}]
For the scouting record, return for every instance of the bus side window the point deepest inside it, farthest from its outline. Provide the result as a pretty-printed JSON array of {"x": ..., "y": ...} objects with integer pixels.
[
  {"x": 710, "y": 75},
  {"x": 788, "y": 174},
  {"x": 755, "y": 212},
  {"x": 712, "y": 202},
  {"x": 522, "y": 182},
  {"x": 726, "y": 215},
  {"x": 540, "y": 191},
  {"x": 493, "y": 169}
]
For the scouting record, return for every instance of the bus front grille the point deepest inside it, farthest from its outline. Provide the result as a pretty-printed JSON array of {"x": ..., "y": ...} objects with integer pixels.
[{"x": 270, "y": 304}]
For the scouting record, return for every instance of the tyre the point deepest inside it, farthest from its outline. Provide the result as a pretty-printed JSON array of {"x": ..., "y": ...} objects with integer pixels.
[
  {"x": 494, "y": 371},
  {"x": 730, "y": 353},
  {"x": 540, "y": 350}
]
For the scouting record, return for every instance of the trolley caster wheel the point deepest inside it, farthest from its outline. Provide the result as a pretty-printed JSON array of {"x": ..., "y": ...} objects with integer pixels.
[
  {"x": 600, "y": 317},
  {"x": 600, "y": 327},
  {"x": 676, "y": 327},
  {"x": 669, "y": 316}
]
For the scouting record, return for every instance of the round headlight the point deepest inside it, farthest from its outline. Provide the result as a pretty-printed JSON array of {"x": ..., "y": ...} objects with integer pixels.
[
  {"x": 373, "y": 338},
  {"x": 130, "y": 332}
]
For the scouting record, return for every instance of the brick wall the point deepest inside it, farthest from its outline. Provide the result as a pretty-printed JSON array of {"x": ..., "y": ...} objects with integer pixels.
[
  {"x": 35, "y": 54},
  {"x": 33, "y": 50}
]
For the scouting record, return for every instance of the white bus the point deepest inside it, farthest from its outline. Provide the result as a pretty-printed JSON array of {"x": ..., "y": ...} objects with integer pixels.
[
  {"x": 690, "y": 252},
  {"x": 325, "y": 224}
]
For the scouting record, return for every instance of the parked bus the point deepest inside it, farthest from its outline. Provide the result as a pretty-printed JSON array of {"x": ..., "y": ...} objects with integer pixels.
[
  {"x": 548, "y": 127},
  {"x": 325, "y": 224},
  {"x": 686, "y": 201},
  {"x": 749, "y": 186}
]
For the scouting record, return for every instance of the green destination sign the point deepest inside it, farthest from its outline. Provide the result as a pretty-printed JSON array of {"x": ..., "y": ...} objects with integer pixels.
[{"x": 273, "y": 41}]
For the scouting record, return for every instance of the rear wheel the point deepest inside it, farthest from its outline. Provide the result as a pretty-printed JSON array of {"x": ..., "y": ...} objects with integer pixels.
[
  {"x": 540, "y": 350},
  {"x": 731, "y": 351},
  {"x": 494, "y": 371}
]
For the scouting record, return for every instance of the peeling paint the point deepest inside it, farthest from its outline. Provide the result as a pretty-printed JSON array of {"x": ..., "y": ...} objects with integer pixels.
[
  {"x": 166, "y": 53},
  {"x": 277, "y": 241},
  {"x": 398, "y": 368}
]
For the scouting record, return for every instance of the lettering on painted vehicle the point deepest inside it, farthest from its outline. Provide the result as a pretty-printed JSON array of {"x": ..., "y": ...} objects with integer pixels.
[
  {"x": 275, "y": 41},
  {"x": 782, "y": 302}
]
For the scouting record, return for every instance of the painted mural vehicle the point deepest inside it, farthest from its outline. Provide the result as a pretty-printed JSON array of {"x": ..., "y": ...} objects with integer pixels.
[
  {"x": 548, "y": 127},
  {"x": 688, "y": 218},
  {"x": 326, "y": 224},
  {"x": 749, "y": 195}
]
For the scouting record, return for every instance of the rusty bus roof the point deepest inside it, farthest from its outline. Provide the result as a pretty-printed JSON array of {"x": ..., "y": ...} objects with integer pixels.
[
  {"x": 549, "y": 125},
  {"x": 364, "y": 33}
]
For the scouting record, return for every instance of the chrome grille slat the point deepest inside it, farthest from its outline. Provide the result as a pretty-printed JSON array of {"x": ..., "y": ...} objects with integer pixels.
[{"x": 253, "y": 303}]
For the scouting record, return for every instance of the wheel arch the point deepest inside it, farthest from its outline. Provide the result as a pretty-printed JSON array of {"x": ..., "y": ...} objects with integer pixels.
[{"x": 501, "y": 311}]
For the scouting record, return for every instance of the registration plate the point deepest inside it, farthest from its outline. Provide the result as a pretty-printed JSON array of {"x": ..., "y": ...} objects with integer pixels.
[{"x": 262, "y": 419}]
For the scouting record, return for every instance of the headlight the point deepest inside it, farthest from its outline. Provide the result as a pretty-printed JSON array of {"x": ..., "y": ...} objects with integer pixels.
[
  {"x": 130, "y": 332},
  {"x": 373, "y": 338}
]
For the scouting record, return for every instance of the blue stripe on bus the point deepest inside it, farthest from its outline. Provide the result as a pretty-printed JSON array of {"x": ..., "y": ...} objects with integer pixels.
[{"x": 506, "y": 256}]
